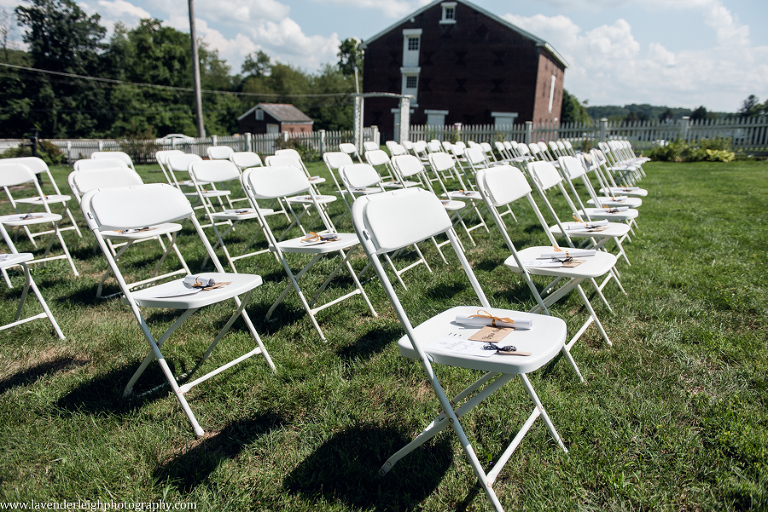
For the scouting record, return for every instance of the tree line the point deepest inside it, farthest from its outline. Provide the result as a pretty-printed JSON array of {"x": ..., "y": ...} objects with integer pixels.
[{"x": 138, "y": 82}]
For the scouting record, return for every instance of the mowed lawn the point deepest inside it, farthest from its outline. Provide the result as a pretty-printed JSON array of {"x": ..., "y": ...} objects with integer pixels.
[{"x": 674, "y": 416}]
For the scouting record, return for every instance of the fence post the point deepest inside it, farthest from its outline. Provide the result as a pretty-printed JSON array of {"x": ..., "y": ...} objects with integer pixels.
[
  {"x": 528, "y": 131},
  {"x": 214, "y": 140},
  {"x": 69, "y": 152},
  {"x": 684, "y": 123},
  {"x": 101, "y": 145},
  {"x": 603, "y": 129},
  {"x": 322, "y": 141}
]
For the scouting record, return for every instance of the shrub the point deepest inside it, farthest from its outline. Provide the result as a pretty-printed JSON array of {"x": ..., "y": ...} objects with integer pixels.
[
  {"x": 47, "y": 151},
  {"x": 711, "y": 150},
  {"x": 140, "y": 147},
  {"x": 307, "y": 153}
]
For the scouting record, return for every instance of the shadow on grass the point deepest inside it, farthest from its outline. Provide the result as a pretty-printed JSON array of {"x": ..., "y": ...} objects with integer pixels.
[
  {"x": 345, "y": 469},
  {"x": 104, "y": 394},
  {"x": 372, "y": 342},
  {"x": 30, "y": 375},
  {"x": 192, "y": 467},
  {"x": 444, "y": 291}
]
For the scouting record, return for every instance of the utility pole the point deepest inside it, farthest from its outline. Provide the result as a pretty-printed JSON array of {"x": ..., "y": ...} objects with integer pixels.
[{"x": 196, "y": 71}]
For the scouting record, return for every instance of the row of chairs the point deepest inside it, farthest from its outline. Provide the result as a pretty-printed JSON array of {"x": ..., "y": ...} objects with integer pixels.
[{"x": 384, "y": 224}]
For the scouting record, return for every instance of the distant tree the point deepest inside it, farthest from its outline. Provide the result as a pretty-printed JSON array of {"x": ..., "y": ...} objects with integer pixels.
[
  {"x": 666, "y": 116},
  {"x": 62, "y": 37},
  {"x": 573, "y": 111},
  {"x": 699, "y": 113},
  {"x": 632, "y": 117},
  {"x": 350, "y": 56},
  {"x": 751, "y": 107},
  {"x": 332, "y": 112},
  {"x": 257, "y": 64}
]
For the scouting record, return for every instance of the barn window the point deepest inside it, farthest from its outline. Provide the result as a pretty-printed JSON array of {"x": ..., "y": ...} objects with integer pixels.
[{"x": 449, "y": 13}]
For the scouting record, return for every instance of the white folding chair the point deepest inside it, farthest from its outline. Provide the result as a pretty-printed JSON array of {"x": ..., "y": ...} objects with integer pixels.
[
  {"x": 224, "y": 172},
  {"x": 272, "y": 182},
  {"x": 219, "y": 152},
  {"x": 384, "y": 223},
  {"x": 161, "y": 157},
  {"x": 125, "y": 208},
  {"x": 504, "y": 184},
  {"x": 351, "y": 150},
  {"x": 82, "y": 181},
  {"x": 245, "y": 160},
  {"x": 380, "y": 160},
  {"x": 334, "y": 160},
  {"x": 362, "y": 179},
  {"x": 119, "y": 155},
  {"x": 86, "y": 164},
  {"x": 17, "y": 173},
  {"x": 596, "y": 234},
  {"x": 608, "y": 184},
  {"x": 15, "y": 259},
  {"x": 572, "y": 168},
  {"x": 39, "y": 168}
]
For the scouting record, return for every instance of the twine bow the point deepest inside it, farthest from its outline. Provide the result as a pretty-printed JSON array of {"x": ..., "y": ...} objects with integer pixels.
[{"x": 481, "y": 313}]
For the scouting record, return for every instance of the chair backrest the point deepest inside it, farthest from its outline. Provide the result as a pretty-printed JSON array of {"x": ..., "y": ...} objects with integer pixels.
[
  {"x": 359, "y": 176},
  {"x": 545, "y": 174},
  {"x": 219, "y": 152},
  {"x": 337, "y": 159},
  {"x": 134, "y": 207},
  {"x": 120, "y": 155},
  {"x": 502, "y": 184},
  {"x": 522, "y": 149},
  {"x": 571, "y": 167},
  {"x": 272, "y": 182},
  {"x": 15, "y": 173},
  {"x": 420, "y": 147},
  {"x": 369, "y": 145},
  {"x": 396, "y": 149},
  {"x": 475, "y": 156},
  {"x": 33, "y": 163},
  {"x": 87, "y": 164},
  {"x": 163, "y": 155},
  {"x": 182, "y": 162},
  {"x": 434, "y": 146},
  {"x": 245, "y": 159},
  {"x": 82, "y": 181},
  {"x": 377, "y": 157},
  {"x": 386, "y": 221},
  {"x": 282, "y": 161},
  {"x": 348, "y": 148},
  {"x": 213, "y": 171},
  {"x": 440, "y": 161},
  {"x": 407, "y": 165}
]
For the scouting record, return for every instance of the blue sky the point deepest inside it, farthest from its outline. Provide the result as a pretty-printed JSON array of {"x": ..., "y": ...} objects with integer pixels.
[{"x": 679, "y": 53}]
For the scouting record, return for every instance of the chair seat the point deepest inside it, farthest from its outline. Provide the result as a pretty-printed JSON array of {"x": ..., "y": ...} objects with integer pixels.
[
  {"x": 626, "y": 191},
  {"x": 162, "y": 295},
  {"x": 29, "y": 218},
  {"x": 632, "y": 202},
  {"x": 450, "y": 204},
  {"x": 53, "y": 198},
  {"x": 593, "y": 266},
  {"x": 9, "y": 260},
  {"x": 241, "y": 214},
  {"x": 345, "y": 241},
  {"x": 614, "y": 229},
  {"x": 209, "y": 193},
  {"x": 316, "y": 179},
  {"x": 467, "y": 194},
  {"x": 604, "y": 214},
  {"x": 321, "y": 199},
  {"x": 544, "y": 340},
  {"x": 141, "y": 233}
]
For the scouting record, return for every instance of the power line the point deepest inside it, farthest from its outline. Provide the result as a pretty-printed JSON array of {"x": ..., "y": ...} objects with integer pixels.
[{"x": 169, "y": 87}]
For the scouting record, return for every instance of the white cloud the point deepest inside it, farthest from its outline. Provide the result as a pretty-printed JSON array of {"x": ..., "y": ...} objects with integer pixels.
[
  {"x": 609, "y": 66},
  {"x": 389, "y": 8}
]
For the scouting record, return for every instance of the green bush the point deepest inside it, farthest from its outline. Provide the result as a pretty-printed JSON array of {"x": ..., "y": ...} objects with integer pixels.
[
  {"x": 140, "y": 147},
  {"x": 709, "y": 150},
  {"x": 49, "y": 152},
  {"x": 307, "y": 153}
]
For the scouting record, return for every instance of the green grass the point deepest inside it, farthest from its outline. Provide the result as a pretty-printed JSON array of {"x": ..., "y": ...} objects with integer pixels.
[{"x": 673, "y": 417}]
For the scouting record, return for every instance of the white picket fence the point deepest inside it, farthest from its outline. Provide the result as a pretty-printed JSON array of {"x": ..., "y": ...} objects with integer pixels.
[{"x": 749, "y": 135}]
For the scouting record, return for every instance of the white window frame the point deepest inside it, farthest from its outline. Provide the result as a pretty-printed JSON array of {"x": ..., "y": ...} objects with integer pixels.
[
  {"x": 552, "y": 93},
  {"x": 411, "y": 57},
  {"x": 259, "y": 114},
  {"x": 448, "y": 7}
]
